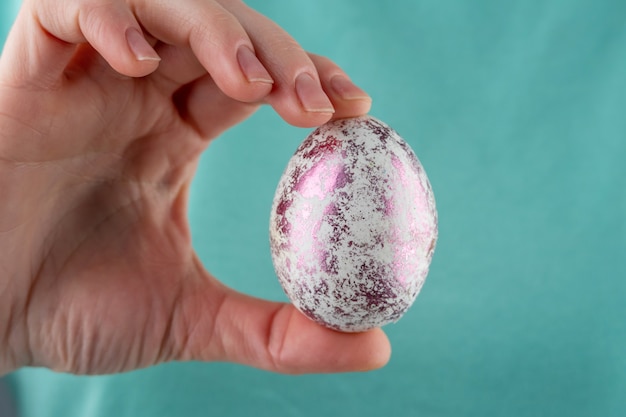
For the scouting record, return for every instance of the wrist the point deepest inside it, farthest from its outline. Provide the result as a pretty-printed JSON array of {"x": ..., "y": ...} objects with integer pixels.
[
  {"x": 14, "y": 351},
  {"x": 14, "y": 294},
  {"x": 8, "y": 361}
]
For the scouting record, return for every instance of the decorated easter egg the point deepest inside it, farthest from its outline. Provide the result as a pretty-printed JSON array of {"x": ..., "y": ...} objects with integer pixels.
[{"x": 353, "y": 225}]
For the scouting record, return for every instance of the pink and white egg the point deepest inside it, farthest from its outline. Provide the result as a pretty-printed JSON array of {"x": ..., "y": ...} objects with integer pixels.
[{"x": 353, "y": 225}]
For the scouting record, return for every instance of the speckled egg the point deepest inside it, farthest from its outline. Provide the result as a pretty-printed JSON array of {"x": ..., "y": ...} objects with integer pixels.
[{"x": 353, "y": 225}]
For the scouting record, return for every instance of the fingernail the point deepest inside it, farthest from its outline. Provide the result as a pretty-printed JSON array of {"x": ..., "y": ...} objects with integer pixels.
[
  {"x": 346, "y": 89},
  {"x": 252, "y": 68},
  {"x": 140, "y": 47},
  {"x": 311, "y": 95}
]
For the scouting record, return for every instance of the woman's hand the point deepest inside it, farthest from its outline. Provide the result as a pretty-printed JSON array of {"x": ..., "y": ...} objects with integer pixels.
[{"x": 105, "y": 108}]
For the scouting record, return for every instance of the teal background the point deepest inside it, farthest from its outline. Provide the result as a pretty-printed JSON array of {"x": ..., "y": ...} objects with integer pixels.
[{"x": 517, "y": 111}]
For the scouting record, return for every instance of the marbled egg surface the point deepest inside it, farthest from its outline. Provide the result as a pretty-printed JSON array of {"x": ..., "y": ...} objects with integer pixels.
[{"x": 353, "y": 226}]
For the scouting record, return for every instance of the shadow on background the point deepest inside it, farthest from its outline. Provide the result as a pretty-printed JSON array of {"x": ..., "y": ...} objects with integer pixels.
[{"x": 7, "y": 407}]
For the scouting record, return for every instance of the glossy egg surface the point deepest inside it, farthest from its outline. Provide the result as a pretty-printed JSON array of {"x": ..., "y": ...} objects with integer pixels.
[{"x": 353, "y": 225}]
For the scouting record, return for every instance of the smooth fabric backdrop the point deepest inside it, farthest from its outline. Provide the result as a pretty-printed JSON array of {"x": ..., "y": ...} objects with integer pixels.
[{"x": 517, "y": 111}]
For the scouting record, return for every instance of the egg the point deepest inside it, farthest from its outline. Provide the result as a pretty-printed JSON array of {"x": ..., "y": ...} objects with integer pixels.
[{"x": 353, "y": 225}]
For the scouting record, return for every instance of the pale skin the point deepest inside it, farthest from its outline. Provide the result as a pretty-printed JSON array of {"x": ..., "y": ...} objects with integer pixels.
[{"x": 100, "y": 135}]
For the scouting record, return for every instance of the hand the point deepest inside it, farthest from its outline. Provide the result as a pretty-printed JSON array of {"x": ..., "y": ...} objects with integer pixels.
[{"x": 99, "y": 139}]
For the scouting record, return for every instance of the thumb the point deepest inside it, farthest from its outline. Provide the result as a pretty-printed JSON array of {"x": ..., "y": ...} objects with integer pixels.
[
  {"x": 45, "y": 36},
  {"x": 221, "y": 324}
]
